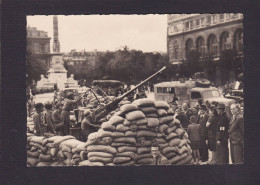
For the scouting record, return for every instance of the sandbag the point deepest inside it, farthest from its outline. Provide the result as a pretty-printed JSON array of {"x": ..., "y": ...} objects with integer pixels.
[
  {"x": 151, "y": 115},
  {"x": 65, "y": 148},
  {"x": 83, "y": 155},
  {"x": 170, "y": 111},
  {"x": 44, "y": 149},
  {"x": 126, "y": 154},
  {"x": 64, "y": 138},
  {"x": 118, "y": 113},
  {"x": 126, "y": 149},
  {"x": 127, "y": 123},
  {"x": 53, "y": 151},
  {"x": 187, "y": 160},
  {"x": 110, "y": 164},
  {"x": 114, "y": 120},
  {"x": 161, "y": 105},
  {"x": 33, "y": 154},
  {"x": 178, "y": 158},
  {"x": 45, "y": 158},
  {"x": 145, "y": 161},
  {"x": 163, "y": 128},
  {"x": 42, "y": 164},
  {"x": 171, "y": 136},
  {"x": 55, "y": 164},
  {"x": 100, "y": 159},
  {"x": 152, "y": 122},
  {"x": 44, "y": 142},
  {"x": 60, "y": 155},
  {"x": 130, "y": 140},
  {"x": 175, "y": 122},
  {"x": 142, "y": 156},
  {"x": 171, "y": 155},
  {"x": 186, "y": 136},
  {"x": 148, "y": 110},
  {"x": 80, "y": 147},
  {"x": 130, "y": 133},
  {"x": 130, "y": 163},
  {"x": 50, "y": 145},
  {"x": 143, "y": 127},
  {"x": 166, "y": 150},
  {"x": 107, "y": 140},
  {"x": 103, "y": 133},
  {"x": 166, "y": 119},
  {"x": 32, "y": 161},
  {"x": 100, "y": 154},
  {"x": 145, "y": 143},
  {"x": 133, "y": 128},
  {"x": 75, "y": 156},
  {"x": 160, "y": 140},
  {"x": 182, "y": 143},
  {"x": 171, "y": 129},
  {"x": 117, "y": 134},
  {"x": 163, "y": 145},
  {"x": 128, "y": 108},
  {"x": 37, "y": 139},
  {"x": 141, "y": 122},
  {"x": 144, "y": 102},
  {"x": 52, "y": 139},
  {"x": 108, "y": 126},
  {"x": 174, "y": 142},
  {"x": 68, "y": 155},
  {"x": 33, "y": 149},
  {"x": 143, "y": 150},
  {"x": 120, "y": 160},
  {"x": 162, "y": 112},
  {"x": 37, "y": 145},
  {"x": 88, "y": 163},
  {"x": 122, "y": 128},
  {"x": 183, "y": 150},
  {"x": 145, "y": 133},
  {"x": 180, "y": 132},
  {"x": 135, "y": 115},
  {"x": 101, "y": 148},
  {"x": 189, "y": 150},
  {"x": 120, "y": 144},
  {"x": 71, "y": 143}
]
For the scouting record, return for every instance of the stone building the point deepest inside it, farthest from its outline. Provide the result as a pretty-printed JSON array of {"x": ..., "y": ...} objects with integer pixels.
[
  {"x": 206, "y": 33},
  {"x": 38, "y": 44}
]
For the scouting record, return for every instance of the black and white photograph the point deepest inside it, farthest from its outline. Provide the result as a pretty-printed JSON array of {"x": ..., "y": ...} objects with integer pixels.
[{"x": 134, "y": 90}]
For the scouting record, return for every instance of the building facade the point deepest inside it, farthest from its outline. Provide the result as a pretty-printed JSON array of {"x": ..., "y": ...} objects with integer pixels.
[
  {"x": 38, "y": 44},
  {"x": 205, "y": 33},
  {"x": 79, "y": 57}
]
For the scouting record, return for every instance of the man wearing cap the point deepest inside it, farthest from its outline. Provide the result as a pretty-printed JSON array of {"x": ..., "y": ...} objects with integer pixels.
[
  {"x": 48, "y": 117},
  {"x": 222, "y": 154},
  {"x": 236, "y": 135},
  {"x": 158, "y": 158},
  {"x": 202, "y": 120},
  {"x": 69, "y": 102},
  {"x": 38, "y": 120},
  {"x": 86, "y": 126}
]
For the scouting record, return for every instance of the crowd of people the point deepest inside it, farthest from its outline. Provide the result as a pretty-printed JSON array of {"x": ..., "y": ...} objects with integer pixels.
[{"x": 212, "y": 132}]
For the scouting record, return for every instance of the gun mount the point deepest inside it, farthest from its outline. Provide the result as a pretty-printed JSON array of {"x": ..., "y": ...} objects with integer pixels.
[{"x": 103, "y": 111}]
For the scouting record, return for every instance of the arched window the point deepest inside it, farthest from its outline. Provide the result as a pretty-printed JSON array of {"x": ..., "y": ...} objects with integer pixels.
[
  {"x": 238, "y": 40},
  {"x": 189, "y": 46},
  {"x": 212, "y": 44},
  {"x": 175, "y": 49},
  {"x": 201, "y": 48},
  {"x": 224, "y": 43}
]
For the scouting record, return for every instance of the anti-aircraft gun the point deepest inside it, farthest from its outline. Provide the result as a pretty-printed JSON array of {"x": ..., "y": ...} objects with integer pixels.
[{"x": 101, "y": 112}]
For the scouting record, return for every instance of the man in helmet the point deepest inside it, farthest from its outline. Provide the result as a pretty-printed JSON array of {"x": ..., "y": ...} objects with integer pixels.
[
  {"x": 38, "y": 120},
  {"x": 68, "y": 106},
  {"x": 86, "y": 126},
  {"x": 48, "y": 117}
]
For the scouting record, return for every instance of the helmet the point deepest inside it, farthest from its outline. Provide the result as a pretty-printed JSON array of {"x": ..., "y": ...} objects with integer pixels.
[
  {"x": 86, "y": 113},
  {"x": 70, "y": 95},
  {"x": 48, "y": 105}
]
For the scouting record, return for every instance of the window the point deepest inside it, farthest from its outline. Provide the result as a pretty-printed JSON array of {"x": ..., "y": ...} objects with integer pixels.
[
  {"x": 221, "y": 17},
  {"x": 214, "y": 19},
  {"x": 197, "y": 23},
  {"x": 201, "y": 46},
  {"x": 202, "y": 21},
  {"x": 224, "y": 44},
  {"x": 187, "y": 26},
  {"x": 195, "y": 95},
  {"x": 210, "y": 94},
  {"x": 191, "y": 24},
  {"x": 212, "y": 44},
  {"x": 238, "y": 40},
  {"x": 38, "y": 34},
  {"x": 159, "y": 90},
  {"x": 43, "y": 48},
  {"x": 189, "y": 46},
  {"x": 176, "y": 49},
  {"x": 208, "y": 20}
]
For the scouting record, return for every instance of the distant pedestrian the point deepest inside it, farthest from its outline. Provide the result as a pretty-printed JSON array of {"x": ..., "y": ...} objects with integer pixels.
[
  {"x": 194, "y": 132},
  {"x": 236, "y": 135},
  {"x": 222, "y": 154}
]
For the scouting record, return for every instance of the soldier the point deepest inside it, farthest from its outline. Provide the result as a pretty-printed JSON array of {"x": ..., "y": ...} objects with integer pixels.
[
  {"x": 48, "y": 118},
  {"x": 222, "y": 136},
  {"x": 57, "y": 122},
  {"x": 38, "y": 120},
  {"x": 86, "y": 126}
]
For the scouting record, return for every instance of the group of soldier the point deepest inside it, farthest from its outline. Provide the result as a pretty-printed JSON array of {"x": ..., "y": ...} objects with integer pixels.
[{"x": 213, "y": 131}]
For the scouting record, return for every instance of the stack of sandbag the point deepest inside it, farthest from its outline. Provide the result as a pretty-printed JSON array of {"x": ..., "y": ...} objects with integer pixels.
[
  {"x": 126, "y": 138},
  {"x": 34, "y": 144}
]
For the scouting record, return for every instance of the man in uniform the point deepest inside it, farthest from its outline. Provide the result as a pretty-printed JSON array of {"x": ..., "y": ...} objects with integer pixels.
[
  {"x": 236, "y": 135},
  {"x": 158, "y": 158},
  {"x": 48, "y": 117},
  {"x": 222, "y": 136},
  {"x": 38, "y": 120},
  {"x": 69, "y": 103}
]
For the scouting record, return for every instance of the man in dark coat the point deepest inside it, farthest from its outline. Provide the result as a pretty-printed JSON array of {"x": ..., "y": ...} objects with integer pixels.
[
  {"x": 202, "y": 120},
  {"x": 158, "y": 158},
  {"x": 222, "y": 154},
  {"x": 236, "y": 135},
  {"x": 38, "y": 120},
  {"x": 48, "y": 117}
]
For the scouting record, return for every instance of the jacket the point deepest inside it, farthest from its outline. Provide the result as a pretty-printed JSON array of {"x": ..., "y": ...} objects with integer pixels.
[
  {"x": 222, "y": 129},
  {"x": 202, "y": 120},
  {"x": 236, "y": 129}
]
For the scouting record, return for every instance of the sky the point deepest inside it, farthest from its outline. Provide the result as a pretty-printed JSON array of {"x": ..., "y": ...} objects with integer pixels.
[{"x": 106, "y": 32}]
